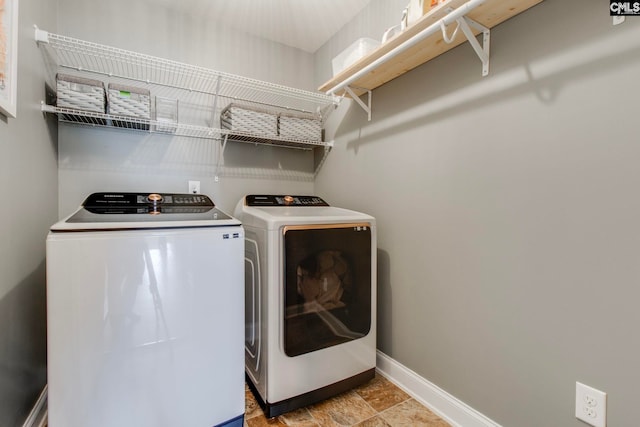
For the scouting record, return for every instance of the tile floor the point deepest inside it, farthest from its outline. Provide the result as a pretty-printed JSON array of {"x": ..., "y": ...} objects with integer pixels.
[{"x": 378, "y": 403}]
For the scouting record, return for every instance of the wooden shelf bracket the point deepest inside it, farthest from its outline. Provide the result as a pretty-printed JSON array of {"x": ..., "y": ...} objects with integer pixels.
[
  {"x": 465, "y": 23},
  {"x": 366, "y": 107},
  {"x": 454, "y": 15}
]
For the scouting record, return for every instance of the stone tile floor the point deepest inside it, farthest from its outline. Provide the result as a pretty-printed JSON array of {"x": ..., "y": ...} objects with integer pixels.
[{"x": 378, "y": 403}]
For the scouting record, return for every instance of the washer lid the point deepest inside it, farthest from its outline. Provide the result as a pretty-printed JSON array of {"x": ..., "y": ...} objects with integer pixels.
[{"x": 148, "y": 210}]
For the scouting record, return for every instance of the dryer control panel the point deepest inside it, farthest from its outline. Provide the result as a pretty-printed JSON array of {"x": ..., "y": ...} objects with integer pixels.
[{"x": 284, "y": 200}]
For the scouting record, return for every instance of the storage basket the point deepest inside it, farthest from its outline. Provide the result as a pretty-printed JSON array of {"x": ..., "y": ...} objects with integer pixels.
[
  {"x": 247, "y": 120},
  {"x": 129, "y": 101},
  {"x": 80, "y": 93},
  {"x": 302, "y": 127}
]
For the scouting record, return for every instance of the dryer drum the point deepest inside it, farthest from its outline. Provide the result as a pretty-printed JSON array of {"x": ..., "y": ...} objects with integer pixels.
[{"x": 322, "y": 279}]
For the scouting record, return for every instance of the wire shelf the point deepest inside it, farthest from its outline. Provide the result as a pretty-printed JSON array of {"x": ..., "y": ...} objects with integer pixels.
[
  {"x": 210, "y": 91},
  {"x": 114, "y": 121}
]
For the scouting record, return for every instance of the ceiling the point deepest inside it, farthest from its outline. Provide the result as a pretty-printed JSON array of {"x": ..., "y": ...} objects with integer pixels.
[{"x": 303, "y": 24}]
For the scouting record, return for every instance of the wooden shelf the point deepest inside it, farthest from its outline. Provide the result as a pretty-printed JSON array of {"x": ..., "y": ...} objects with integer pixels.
[{"x": 488, "y": 14}]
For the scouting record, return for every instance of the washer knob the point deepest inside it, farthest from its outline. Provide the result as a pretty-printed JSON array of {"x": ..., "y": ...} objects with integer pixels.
[
  {"x": 288, "y": 200},
  {"x": 154, "y": 198}
]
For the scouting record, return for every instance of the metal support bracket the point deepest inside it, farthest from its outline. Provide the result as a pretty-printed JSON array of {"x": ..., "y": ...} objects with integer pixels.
[
  {"x": 223, "y": 143},
  {"x": 482, "y": 51},
  {"x": 366, "y": 107},
  {"x": 215, "y": 103},
  {"x": 41, "y": 36},
  {"x": 465, "y": 23},
  {"x": 325, "y": 153}
]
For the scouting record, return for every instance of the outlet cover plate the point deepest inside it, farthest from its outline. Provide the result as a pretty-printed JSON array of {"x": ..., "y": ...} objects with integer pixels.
[
  {"x": 591, "y": 405},
  {"x": 194, "y": 187}
]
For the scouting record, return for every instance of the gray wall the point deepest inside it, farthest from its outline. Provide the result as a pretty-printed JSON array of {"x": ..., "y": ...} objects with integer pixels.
[
  {"x": 508, "y": 213},
  {"x": 507, "y": 205},
  {"x": 107, "y": 160},
  {"x": 30, "y": 200}
]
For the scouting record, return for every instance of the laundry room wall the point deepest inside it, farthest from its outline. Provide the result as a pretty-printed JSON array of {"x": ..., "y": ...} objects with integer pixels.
[
  {"x": 107, "y": 160},
  {"x": 28, "y": 180},
  {"x": 507, "y": 210}
]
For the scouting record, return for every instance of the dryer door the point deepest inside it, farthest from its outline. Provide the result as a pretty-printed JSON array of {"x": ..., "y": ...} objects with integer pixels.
[
  {"x": 252, "y": 304},
  {"x": 327, "y": 295}
]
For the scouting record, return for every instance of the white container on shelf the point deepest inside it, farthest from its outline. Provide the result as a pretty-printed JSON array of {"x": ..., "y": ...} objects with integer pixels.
[
  {"x": 166, "y": 114},
  {"x": 358, "y": 49}
]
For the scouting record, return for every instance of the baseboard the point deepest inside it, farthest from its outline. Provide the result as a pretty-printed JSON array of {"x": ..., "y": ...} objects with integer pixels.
[
  {"x": 449, "y": 408},
  {"x": 38, "y": 415}
]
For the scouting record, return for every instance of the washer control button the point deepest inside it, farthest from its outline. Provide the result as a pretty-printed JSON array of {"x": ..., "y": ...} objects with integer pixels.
[{"x": 155, "y": 198}]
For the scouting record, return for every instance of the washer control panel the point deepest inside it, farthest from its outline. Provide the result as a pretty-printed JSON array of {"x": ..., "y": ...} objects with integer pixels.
[
  {"x": 283, "y": 200},
  {"x": 137, "y": 199},
  {"x": 137, "y": 203}
]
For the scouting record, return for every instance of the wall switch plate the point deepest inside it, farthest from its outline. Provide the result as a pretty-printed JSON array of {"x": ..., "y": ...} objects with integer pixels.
[
  {"x": 194, "y": 187},
  {"x": 591, "y": 405}
]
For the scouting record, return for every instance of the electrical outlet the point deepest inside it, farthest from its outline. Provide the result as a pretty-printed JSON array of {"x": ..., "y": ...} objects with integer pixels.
[
  {"x": 591, "y": 405},
  {"x": 194, "y": 187}
]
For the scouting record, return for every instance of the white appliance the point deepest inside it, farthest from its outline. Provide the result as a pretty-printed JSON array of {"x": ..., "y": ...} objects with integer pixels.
[
  {"x": 310, "y": 319},
  {"x": 145, "y": 314}
]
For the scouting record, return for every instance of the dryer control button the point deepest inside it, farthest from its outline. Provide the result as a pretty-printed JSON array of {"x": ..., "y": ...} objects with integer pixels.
[{"x": 288, "y": 200}]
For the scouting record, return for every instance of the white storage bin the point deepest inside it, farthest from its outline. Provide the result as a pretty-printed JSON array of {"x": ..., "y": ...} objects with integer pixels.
[
  {"x": 129, "y": 101},
  {"x": 166, "y": 114},
  {"x": 359, "y": 49},
  {"x": 300, "y": 127},
  {"x": 247, "y": 120}
]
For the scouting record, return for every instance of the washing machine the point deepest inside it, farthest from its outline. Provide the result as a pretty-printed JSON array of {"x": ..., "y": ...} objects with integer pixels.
[
  {"x": 310, "y": 299},
  {"x": 145, "y": 302}
]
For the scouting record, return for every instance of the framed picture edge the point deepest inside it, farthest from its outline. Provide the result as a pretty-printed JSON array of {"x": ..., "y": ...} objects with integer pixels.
[{"x": 9, "y": 107}]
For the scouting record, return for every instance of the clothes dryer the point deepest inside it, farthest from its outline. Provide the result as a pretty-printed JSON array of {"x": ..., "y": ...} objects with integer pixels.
[
  {"x": 144, "y": 311},
  {"x": 310, "y": 299}
]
